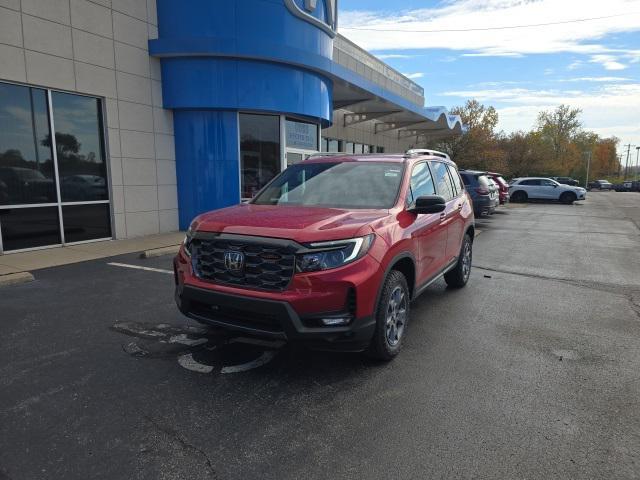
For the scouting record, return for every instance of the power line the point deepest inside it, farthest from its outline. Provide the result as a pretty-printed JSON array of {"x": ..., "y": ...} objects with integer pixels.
[{"x": 509, "y": 27}]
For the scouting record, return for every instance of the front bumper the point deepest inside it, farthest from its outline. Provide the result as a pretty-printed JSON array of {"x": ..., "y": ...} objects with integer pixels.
[
  {"x": 270, "y": 319},
  {"x": 293, "y": 314}
]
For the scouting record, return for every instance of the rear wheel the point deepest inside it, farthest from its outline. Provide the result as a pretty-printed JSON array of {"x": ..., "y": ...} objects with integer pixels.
[
  {"x": 519, "y": 197},
  {"x": 568, "y": 198},
  {"x": 392, "y": 316},
  {"x": 459, "y": 275}
]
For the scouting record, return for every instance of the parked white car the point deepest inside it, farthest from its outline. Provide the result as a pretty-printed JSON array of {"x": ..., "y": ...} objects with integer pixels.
[{"x": 540, "y": 188}]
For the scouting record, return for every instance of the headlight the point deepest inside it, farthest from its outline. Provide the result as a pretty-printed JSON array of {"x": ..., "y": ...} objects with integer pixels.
[
  {"x": 186, "y": 243},
  {"x": 333, "y": 254}
]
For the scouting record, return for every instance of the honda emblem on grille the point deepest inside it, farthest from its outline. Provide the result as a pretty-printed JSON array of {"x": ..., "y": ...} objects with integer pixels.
[{"x": 234, "y": 261}]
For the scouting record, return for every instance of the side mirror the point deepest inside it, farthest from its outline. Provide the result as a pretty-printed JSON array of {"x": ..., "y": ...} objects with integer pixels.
[{"x": 428, "y": 204}]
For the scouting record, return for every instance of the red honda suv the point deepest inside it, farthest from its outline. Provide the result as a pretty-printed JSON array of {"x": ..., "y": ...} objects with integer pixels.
[{"x": 331, "y": 252}]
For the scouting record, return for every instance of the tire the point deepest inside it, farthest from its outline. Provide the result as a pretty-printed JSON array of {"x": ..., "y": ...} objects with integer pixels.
[
  {"x": 568, "y": 198},
  {"x": 392, "y": 316},
  {"x": 458, "y": 276},
  {"x": 519, "y": 197}
]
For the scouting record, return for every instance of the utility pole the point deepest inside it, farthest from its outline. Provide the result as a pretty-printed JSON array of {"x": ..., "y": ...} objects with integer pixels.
[
  {"x": 586, "y": 181},
  {"x": 626, "y": 165},
  {"x": 619, "y": 169}
]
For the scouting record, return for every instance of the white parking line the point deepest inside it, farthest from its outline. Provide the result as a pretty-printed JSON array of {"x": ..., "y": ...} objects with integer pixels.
[
  {"x": 138, "y": 267},
  {"x": 263, "y": 359}
]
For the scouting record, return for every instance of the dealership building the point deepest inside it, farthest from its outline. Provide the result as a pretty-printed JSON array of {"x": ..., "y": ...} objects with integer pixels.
[{"x": 122, "y": 118}]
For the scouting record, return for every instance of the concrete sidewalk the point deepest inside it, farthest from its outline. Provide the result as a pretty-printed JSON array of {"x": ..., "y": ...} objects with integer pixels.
[{"x": 12, "y": 263}]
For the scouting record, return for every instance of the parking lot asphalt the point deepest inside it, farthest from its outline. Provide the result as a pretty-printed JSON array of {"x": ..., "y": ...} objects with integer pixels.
[{"x": 531, "y": 371}]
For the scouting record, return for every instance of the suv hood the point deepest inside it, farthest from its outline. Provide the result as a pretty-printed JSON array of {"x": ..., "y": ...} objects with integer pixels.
[{"x": 301, "y": 224}]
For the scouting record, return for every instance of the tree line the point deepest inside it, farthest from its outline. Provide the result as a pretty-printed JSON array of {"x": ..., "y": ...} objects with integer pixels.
[{"x": 556, "y": 146}]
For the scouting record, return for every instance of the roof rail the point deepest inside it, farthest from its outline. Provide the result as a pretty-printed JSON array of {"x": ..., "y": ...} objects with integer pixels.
[
  {"x": 424, "y": 151},
  {"x": 328, "y": 154}
]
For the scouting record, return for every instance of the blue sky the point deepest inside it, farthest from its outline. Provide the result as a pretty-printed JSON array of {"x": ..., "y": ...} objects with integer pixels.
[{"x": 593, "y": 65}]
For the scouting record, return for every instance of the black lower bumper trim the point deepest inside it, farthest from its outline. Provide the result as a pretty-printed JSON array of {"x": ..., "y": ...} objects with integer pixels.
[{"x": 269, "y": 318}]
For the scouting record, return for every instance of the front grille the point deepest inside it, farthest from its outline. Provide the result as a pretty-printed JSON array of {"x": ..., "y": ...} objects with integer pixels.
[{"x": 267, "y": 265}]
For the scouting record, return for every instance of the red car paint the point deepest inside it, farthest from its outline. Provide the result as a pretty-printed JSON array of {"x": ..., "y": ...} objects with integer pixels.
[
  {"x": 425, "y": 243},
  {"x": 504, "y": 186}
]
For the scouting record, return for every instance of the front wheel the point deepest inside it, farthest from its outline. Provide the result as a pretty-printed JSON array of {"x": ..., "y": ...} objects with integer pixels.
[
  {"x": 392, "y": 316},
  {"x": 459, "y": 275},
  {"x": 568, "y": 198},
  {"x": 519, "y": 197}
]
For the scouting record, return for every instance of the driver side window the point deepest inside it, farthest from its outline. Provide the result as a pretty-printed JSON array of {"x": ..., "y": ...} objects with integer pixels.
[{"x": 421, "y": 183}]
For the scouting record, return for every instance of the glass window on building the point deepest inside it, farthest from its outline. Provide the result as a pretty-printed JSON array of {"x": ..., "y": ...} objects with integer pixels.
[
  {"x": 366, "y": 149},
  {"x": 301, "y": 135},
  {"x": 348, "y": 147},
  {"x": 32, "y": 197},
  {"x": 324, "y": 145},
  {"x": 26, "y": 164},
  {"x": 259, "y": 151},
  {"x": 379, "y": 149},
  {"x": 80, "y": 147},
  {"x": 334, "y": 146},
  {"x": 358, "y": 148}
]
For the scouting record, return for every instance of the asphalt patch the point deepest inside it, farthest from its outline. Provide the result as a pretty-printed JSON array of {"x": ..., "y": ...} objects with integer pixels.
[{"x": 198, "y": 349}]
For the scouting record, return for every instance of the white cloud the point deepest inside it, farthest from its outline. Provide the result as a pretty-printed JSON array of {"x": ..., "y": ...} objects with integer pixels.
[
  {"x": 387, "y": 56},
  {"x": 414, "y": 75},
  {"x": 609, "y": 109},
  {"x": 596, "y": 79},
  {"x": 579, "y": 37},
  {"x": 609, "y": 62}
]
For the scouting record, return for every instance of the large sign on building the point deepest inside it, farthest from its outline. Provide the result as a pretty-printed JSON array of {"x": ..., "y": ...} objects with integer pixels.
[{"x": 321, "y": 13}]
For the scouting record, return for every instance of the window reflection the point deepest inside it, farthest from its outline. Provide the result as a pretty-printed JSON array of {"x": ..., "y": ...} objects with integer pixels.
[
  {"x": 259, "y": 151},
  {"x": 86, "y": 222},
  {"x": 79, "y": 145},
  {"x": 29, "y": 227},
  {"x": 26, "y": 166}
]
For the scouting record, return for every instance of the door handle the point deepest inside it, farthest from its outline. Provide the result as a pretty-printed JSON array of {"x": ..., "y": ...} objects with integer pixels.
[
  {"x": 443, "y": 215},
  {"x": 460, "y": 206}
]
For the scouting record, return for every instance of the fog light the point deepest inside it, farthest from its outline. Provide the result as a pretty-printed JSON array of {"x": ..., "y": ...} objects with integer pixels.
[{"x": 336, "y": 321}]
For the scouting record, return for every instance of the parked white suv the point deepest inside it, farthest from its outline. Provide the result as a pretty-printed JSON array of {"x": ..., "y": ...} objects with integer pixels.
[{"x": 540, "y": 188}]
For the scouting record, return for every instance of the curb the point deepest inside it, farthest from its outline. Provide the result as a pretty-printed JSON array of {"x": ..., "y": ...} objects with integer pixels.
[
  {"x": 158, "y": 252},
  {"x": 15, "y": 278}
]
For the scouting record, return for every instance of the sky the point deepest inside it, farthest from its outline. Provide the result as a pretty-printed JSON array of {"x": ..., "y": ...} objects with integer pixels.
[{"x": 592, "y": 64}]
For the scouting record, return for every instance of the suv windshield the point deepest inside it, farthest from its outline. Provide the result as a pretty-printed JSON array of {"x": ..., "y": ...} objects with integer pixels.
[{"x": 335, "y": 185}]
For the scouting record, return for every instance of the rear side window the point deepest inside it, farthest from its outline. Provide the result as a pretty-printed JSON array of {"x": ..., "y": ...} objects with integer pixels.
[
  {"x": 530, "y": 182},
  {"x": 442, "y": 180},
  {"x": 421, "y": 183},
  {"x": 457, "y": 184},
  {"x": 465, "y": 178}
]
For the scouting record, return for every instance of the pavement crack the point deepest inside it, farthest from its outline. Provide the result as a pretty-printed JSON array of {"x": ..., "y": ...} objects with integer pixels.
[
  {"x": 183, "y": 442},
  {"x": 626, "y": 291}
]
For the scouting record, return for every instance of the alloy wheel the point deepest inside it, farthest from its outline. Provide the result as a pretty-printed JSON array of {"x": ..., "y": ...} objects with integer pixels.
[
  {"x": 466, "y": 260},
  {"x": 396, "y": 316}
]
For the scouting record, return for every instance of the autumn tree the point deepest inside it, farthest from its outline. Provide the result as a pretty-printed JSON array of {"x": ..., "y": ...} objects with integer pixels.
[
  {"x": 525, "y": 153},
  {"x": 476, "y": 148}
]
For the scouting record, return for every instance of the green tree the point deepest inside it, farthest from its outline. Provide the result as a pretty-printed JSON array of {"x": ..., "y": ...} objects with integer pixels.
[{"x": 559, "y": 128}]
